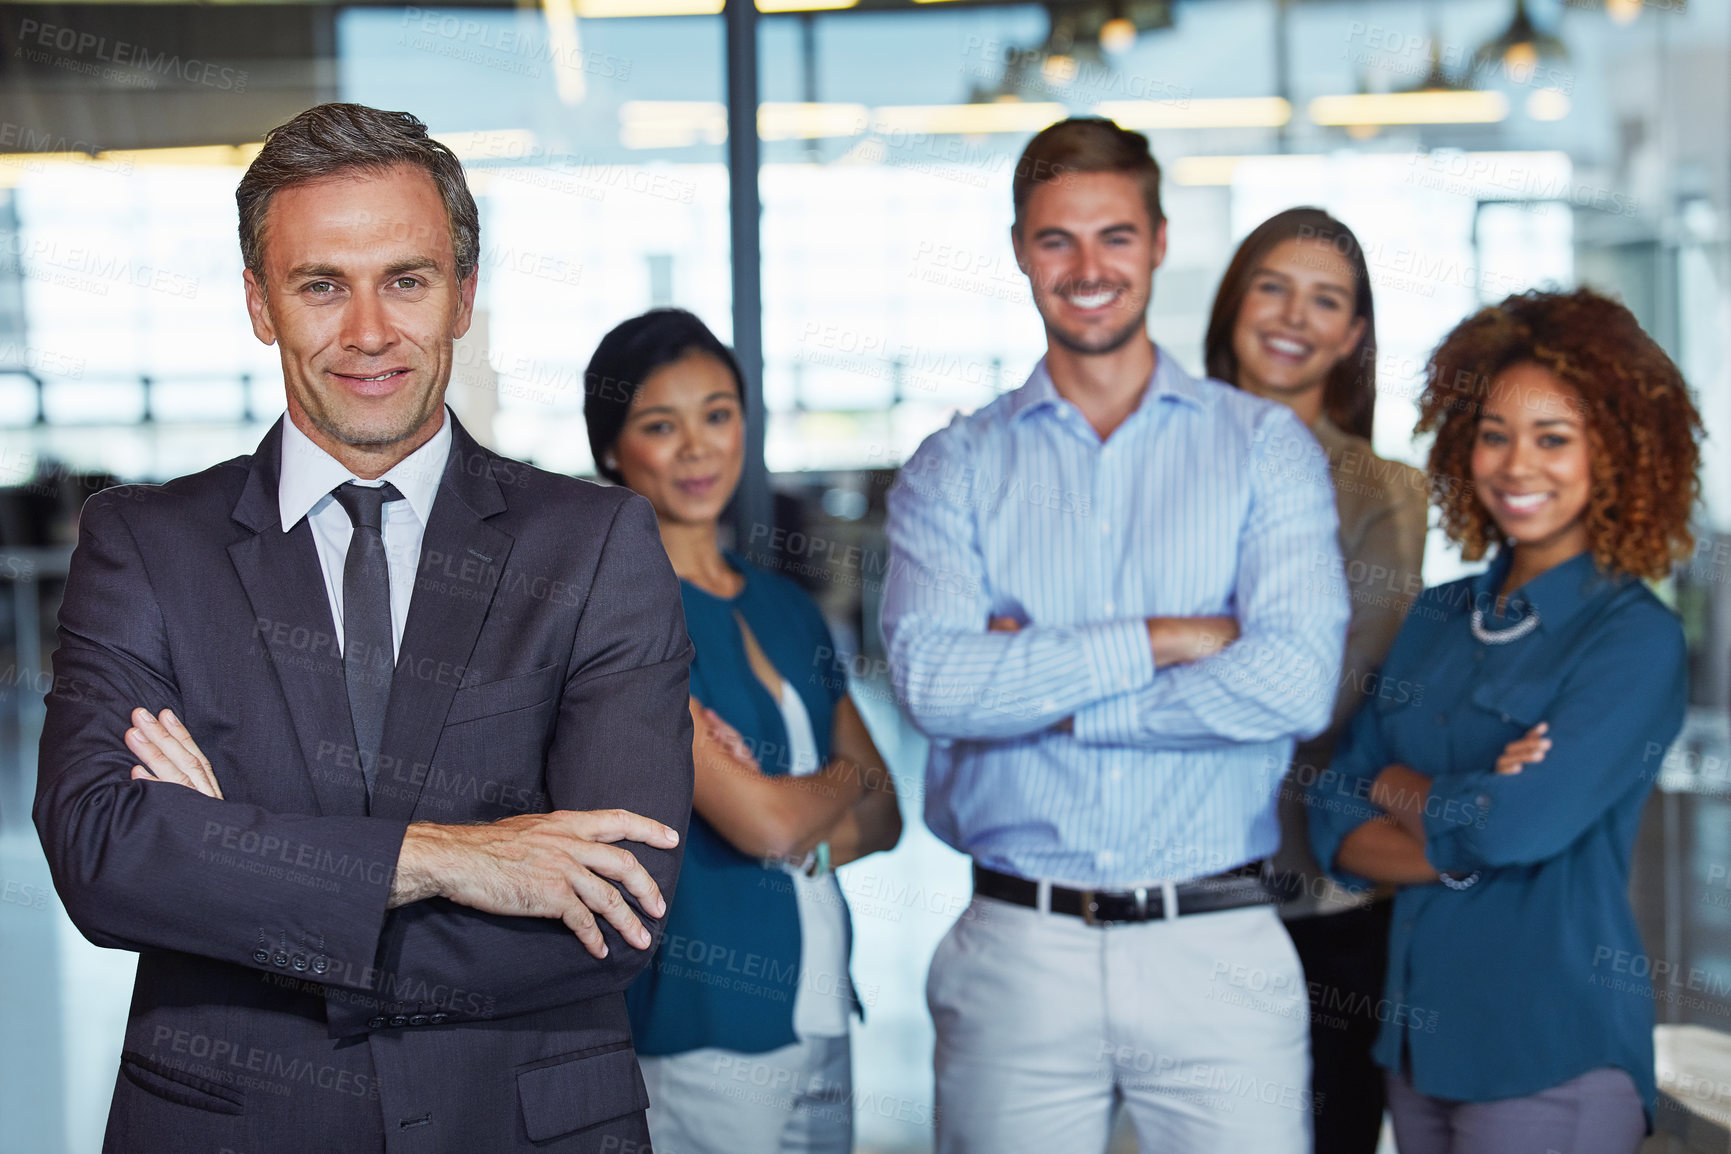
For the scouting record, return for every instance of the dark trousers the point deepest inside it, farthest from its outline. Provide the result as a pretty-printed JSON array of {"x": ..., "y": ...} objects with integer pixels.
[{"x": 1345, "y": 957}]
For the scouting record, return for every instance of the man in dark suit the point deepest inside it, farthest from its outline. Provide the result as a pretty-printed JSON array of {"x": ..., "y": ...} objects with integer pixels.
[{"x": 438, "y": 693}]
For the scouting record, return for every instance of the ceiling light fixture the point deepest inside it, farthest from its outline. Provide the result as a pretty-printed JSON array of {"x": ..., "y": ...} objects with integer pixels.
[
  {"x": 803, "y": 5},
  {"x": 1471, "y": 107},
  {"x": 1519, "y": 48},
  {"x": 605, "y": 9},
  {"x": 1117, "y": 36}
]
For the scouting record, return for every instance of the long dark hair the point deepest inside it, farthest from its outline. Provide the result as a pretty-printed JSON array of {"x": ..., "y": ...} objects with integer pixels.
[
  {"x": 1349, "y": 395},
  {"x": 626, "y": 357}
]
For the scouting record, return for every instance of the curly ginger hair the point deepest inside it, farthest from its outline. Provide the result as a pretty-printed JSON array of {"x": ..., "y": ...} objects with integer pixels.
[{"x": 1642, "y": 426}]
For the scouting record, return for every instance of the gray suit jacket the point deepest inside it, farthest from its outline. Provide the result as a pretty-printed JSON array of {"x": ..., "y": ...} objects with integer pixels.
[{"x": 279, "y": 1005}]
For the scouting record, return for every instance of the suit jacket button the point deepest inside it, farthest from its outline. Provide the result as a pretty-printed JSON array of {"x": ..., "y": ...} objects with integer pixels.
[
  {"x": 375, "y": 1023},
  {"x": 321, "y": 964},
  {"x": 280, "y": 958},
  {"x": 418, "y": 1020},
  {"x": 437, "y": 1019},
  {"x": 399, "y": 1020},
  {"x": 261, "y": 956},
  {"x": 300, "y": 962}
]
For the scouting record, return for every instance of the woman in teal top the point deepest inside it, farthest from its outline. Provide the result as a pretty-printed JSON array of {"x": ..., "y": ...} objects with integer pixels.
[
  {"x": 741, "y": 1021},
  {"x": 1502, "y": 796}
]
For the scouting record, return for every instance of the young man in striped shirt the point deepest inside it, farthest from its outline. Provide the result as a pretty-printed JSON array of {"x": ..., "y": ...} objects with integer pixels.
[{"x": 1113, "y": 681}]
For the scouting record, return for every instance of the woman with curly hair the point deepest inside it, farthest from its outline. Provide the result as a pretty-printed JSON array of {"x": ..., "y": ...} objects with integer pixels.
[{"x": 1503, "y": 800}]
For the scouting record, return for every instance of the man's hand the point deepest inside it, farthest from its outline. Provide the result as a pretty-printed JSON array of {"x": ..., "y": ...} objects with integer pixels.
[
  {"x": 169, "y": 753},
  {"x": 547, "y": 865},
  {"x": 1175, "y": 641},
  {"x": 1178, "y": 640},
  {"x": 1525, "y": 750},
  {"x": 539, "y": 865}
]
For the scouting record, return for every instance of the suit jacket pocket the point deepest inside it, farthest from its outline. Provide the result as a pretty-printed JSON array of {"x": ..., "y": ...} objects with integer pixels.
[
  {"x": 506, "y": 695},
  {"x": 180, "y": 1087},
  {"x": 576, "y": 1091}
]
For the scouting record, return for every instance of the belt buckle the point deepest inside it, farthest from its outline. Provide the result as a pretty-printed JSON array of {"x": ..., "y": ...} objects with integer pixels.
[{"x": 1091, "y": 908}]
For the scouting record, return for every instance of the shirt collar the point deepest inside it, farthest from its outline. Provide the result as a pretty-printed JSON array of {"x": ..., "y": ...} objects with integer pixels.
[
  {"x": 1557, "y": 594},
  {"x": 1169, "y": 382},
  {"x": 309, "y": 473}
]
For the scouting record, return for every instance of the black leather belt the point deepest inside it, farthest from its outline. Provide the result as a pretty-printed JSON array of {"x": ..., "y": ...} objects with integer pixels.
[{"x": 1234, "y": 889}]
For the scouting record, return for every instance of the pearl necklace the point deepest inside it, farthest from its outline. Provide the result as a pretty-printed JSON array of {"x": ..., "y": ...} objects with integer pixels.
[{"x": 1503, "y": 636}]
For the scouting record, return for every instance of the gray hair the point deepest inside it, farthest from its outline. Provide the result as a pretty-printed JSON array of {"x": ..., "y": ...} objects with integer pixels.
[{"x": 333, "y": 138}]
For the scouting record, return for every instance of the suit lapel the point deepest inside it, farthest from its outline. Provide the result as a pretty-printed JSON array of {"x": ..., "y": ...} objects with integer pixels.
[
  {"x": 282, "y": 578},
  {"x": 462, "y": 557}
]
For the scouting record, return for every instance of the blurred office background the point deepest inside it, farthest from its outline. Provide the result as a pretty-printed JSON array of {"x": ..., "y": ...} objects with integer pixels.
[{"x": 827, "y": 183}]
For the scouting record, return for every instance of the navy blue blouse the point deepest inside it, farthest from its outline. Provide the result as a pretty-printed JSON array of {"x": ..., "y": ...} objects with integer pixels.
[
  {"x": 1526, "y": 979},
  {"x": 727, "y": 970}
]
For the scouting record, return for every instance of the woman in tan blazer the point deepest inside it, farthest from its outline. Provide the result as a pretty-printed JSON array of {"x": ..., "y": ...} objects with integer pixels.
[{"x": 1293, "y": 322}]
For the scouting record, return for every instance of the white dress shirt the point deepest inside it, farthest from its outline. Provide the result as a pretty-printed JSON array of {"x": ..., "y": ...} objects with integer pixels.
[
  {"x": 304, "y": 490},
  {"x": 825, "y": 996}
]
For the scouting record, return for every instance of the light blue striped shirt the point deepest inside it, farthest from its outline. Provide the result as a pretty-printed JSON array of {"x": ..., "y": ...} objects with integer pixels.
[{"x": 1205, "y": 501}]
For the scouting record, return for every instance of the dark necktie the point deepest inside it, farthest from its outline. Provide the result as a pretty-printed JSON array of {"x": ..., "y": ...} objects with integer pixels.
[{"x": 368, "y": 655}]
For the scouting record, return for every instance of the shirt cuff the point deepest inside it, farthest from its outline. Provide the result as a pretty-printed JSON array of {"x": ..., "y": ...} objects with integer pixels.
[
  {"x": 1331, "y": 816},
  {"x": 1453, "y": 817},
  {"x": 1119, "y": 655},
  {"x": 1110, "y": 722},
  {"x": 1121, "y": 660}
]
